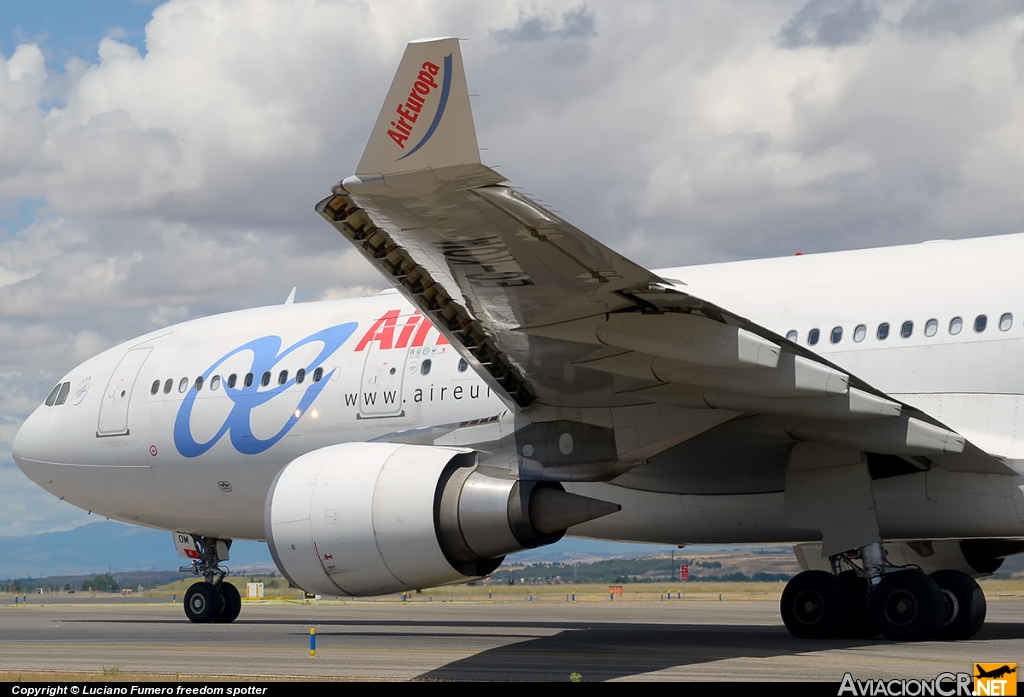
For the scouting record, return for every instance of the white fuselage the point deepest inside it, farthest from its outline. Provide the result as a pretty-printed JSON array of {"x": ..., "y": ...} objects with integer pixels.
[{"x": 136, "y": 441}]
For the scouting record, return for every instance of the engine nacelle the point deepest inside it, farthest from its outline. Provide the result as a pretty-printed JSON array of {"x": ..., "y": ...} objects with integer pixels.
[{"x": 371, "y": 518}]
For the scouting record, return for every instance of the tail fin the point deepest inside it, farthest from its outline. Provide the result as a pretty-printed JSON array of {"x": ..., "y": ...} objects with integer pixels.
[{"x": 426, "y": 120}]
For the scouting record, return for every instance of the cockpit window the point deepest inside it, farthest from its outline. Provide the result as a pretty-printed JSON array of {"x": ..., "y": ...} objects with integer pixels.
[
  {"x": 53, "y": 395},
  {"x": 62, "y": 396}
]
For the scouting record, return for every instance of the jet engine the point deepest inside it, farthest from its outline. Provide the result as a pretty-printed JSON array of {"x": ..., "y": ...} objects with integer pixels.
[{"x": 370, "y": 518}]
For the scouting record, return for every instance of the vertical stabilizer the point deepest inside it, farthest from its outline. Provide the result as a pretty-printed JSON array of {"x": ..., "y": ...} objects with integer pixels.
[{"x": 426, "y": 120}]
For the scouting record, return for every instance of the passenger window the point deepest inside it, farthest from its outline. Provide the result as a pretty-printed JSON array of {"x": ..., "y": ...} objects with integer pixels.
[
  {"x": 183, "y": 385},
  {"x": 955, "y": 325},
  {"x": 248, "y": 379},
  {"x": 300, "y": 376},
  {"x": 792, "y": 335},
  {"x": 980, "y": 322},
  {"x": 859, "y": 332},
  {"x": 907, "y": 329},
  {"x": 265, "y": 380},
  {"x": 62, "y": 396},
  {"x": 1005, "y": 322},
  {"x": 883, "y": 331},
  {"x": 199, "y": 383},
  {"x": 425, "y": 367},
  {"x": 318, "y": 375},
  {"x": 463, "y": 365},
  {"x": 168, "y": 385},
  {"x": 931, "y": 327},
  {"x": 812, "y": 337},
  {"x": 232, "y": 380},
  {"x": 155, "y": 388},
  {"x": 837, "y": 335},
  {"x": 52, "y": 396},
  {"x": 215, "y": 382},
  {"x": 282, "y": 378}
]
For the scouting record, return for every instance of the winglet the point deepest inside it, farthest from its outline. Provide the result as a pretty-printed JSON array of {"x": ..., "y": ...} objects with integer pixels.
[{"x": 426, "y": 120}]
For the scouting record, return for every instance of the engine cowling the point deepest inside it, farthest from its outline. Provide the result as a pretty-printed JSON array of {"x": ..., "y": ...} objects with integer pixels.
[{"x": 370, "y": 518}]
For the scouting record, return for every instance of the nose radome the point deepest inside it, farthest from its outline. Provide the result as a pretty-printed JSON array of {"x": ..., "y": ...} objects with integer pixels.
[{"x": 26, "y": 442}]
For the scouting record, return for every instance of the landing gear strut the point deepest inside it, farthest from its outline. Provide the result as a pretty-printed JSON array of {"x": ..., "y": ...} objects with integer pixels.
[{"x": 213, "y": 599}]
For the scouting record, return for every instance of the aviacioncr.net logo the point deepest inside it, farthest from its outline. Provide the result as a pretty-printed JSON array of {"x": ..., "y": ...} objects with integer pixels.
[
  {"x": 266, "y": 353},
  {"x": 943, "y": 685}
]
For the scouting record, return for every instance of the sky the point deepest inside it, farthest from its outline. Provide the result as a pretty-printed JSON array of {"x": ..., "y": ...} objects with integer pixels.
[{"x": 160, "y": 161}]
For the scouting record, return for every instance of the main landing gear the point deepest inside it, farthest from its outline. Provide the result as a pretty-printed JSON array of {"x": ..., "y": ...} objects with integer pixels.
[
  {"x": 861, "y": 601},
  {"x": 213, "y": 599}
]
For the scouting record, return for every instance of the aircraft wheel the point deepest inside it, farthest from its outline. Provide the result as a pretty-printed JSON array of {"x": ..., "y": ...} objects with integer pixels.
[
  {"x": 814, "y": 605},
  {"x": 908, "y": 606},
  {"x": 203, "y": 602},
  {"x": 232, "y": 603},
  {"x": 965, "y": 605},
  {"x": 859, "y": 623}
]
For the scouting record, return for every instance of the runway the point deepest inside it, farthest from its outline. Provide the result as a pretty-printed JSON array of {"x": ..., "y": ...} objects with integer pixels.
[{"x": 651, "y": 641}]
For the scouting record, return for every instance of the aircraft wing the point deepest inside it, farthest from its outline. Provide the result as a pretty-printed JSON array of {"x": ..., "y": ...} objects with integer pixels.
[{"x": 550, "y": 316}]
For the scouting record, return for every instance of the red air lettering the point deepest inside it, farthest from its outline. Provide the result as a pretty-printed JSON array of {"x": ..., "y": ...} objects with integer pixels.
[
  {"x": 409, "y": 111},
  {"x": 410, "y": 324},
  {"x": 383, "y": 332}
]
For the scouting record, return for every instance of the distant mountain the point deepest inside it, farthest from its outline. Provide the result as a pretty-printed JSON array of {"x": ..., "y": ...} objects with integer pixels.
[
  {"x": 107, "y": 545},
  {"x": 582, "y": 550},
  {"x": 111, "y": 546}
]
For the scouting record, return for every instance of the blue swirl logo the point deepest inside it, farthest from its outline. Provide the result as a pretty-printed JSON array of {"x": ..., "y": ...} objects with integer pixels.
[{"x": 266, "y": 353}]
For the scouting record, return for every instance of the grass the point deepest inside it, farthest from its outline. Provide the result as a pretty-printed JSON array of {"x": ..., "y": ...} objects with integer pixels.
[{"x": 995, "y": 589}]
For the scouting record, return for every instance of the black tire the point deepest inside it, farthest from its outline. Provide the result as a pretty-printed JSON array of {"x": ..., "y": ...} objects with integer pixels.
[
  {"x": 814, "y": 605},
  {"x": 908, "y": 606},
  {"x": 203, "y": 602},
  {"x": 232, "y": 603},
  {"x": 859, "y": 622},
  {"x": 965, "y": 605}
]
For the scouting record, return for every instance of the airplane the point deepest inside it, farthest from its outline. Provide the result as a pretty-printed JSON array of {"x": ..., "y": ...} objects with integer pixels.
[
  {"x": 522, "y": 381},
  {"x": 995, "y": 673}
]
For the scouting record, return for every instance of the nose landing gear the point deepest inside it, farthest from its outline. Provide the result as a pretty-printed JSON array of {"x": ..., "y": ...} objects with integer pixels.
[{"x": 213, "y": 599}]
